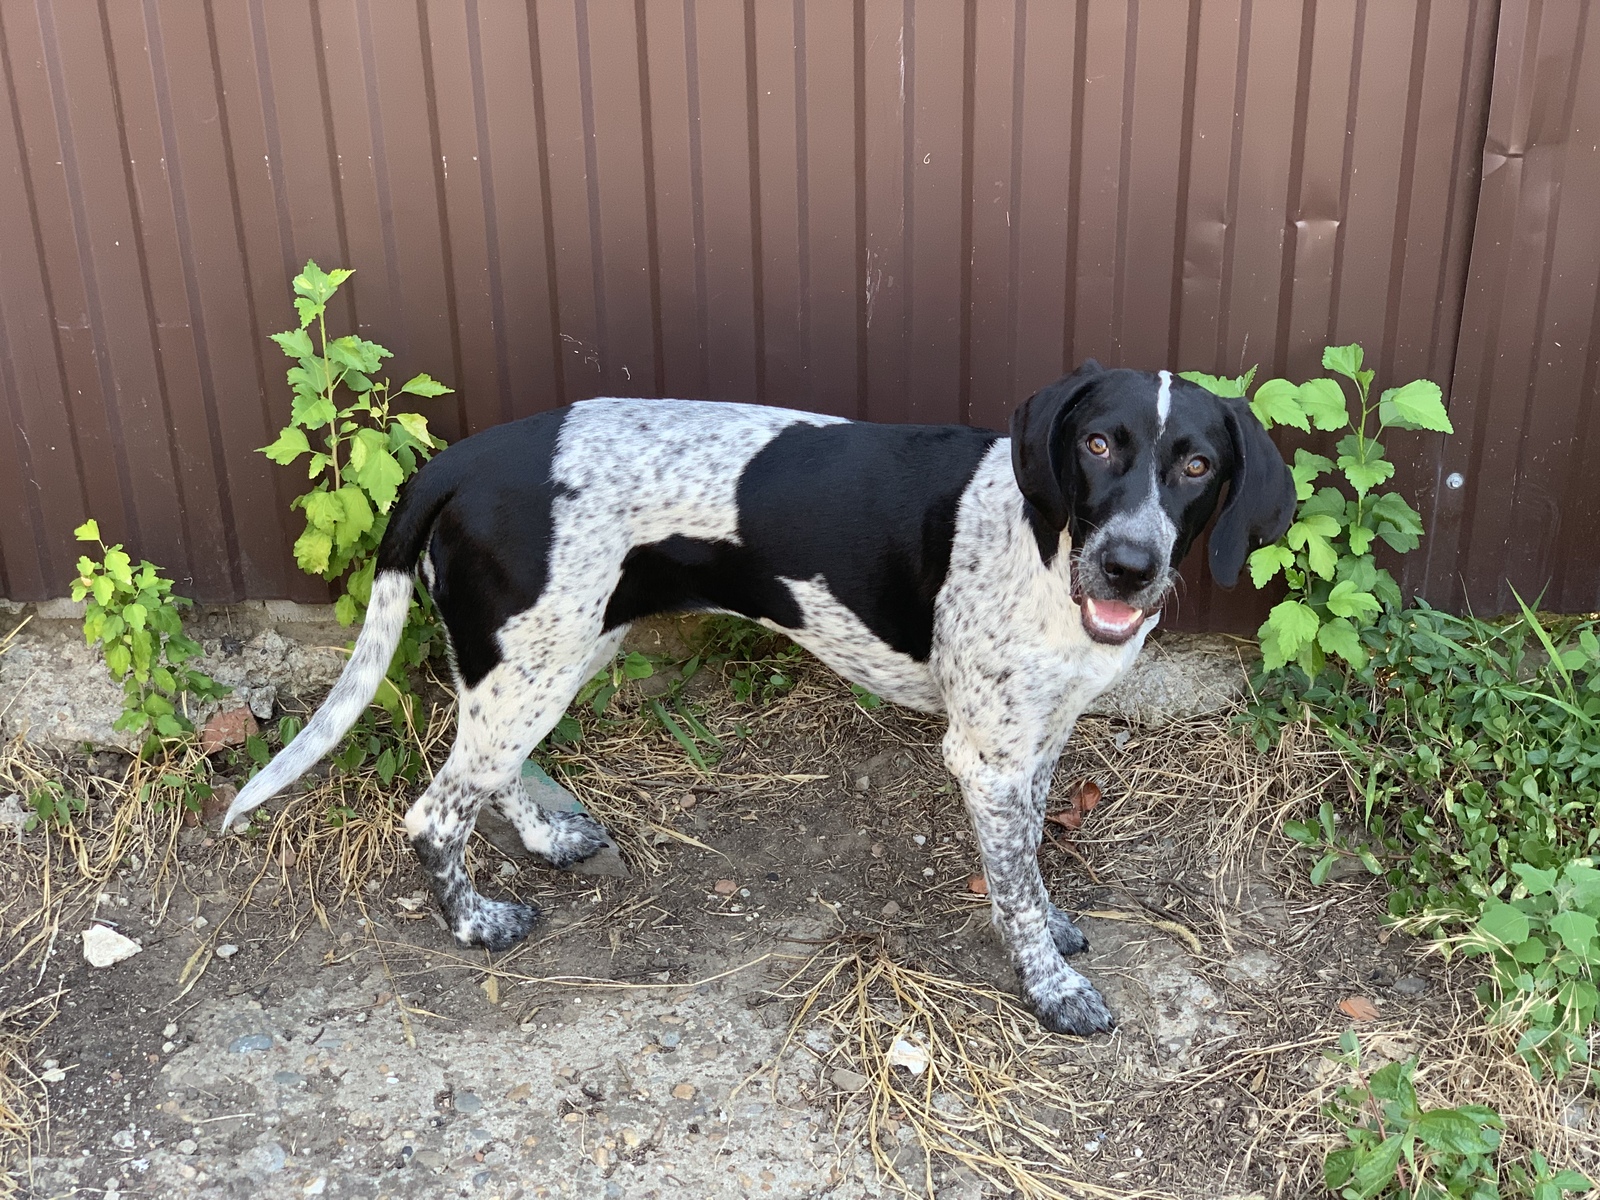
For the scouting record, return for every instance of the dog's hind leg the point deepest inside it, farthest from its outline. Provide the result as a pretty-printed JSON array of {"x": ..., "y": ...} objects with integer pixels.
[
  {"x": 560, "y": 838},
  {"x": 499, "y": 721}
]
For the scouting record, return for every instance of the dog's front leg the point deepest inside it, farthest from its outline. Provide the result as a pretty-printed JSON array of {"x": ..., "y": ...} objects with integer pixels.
[{"x": 1005, "y": 797}]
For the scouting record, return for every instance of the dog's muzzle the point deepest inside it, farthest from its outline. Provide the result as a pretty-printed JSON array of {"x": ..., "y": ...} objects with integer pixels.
[{"x": 1120, "y": 583}]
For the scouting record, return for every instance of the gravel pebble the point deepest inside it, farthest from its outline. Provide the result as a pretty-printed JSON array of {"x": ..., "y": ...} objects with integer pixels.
[{"x": 847, "y": 1080}]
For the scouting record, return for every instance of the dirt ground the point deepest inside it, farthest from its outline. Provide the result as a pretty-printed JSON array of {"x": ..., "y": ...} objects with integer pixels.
[{"x": 795, "y": 992}]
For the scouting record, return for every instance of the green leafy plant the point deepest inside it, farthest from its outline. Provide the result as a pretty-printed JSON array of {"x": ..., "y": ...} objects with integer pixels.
[
  {"x": 1474, "y": 749},
  {"x": 53, "y": 807},
  {"x": 670, "y": 710},
  {"x": 184, "y": 787},
  {"x": 1336, "y": 588},
  {"x": 364, "y": 451},
  {"x": 133, "y": 615},
  {"x": 1399, "y": 1149},
  {"x": 1542, "y": 951}
]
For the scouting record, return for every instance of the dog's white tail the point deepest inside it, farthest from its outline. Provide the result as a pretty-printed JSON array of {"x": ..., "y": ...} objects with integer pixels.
[{"x": 369, "y": 661}]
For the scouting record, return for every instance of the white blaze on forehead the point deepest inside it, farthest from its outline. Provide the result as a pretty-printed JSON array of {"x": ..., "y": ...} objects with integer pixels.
[{"x": 1163, "y": 401}]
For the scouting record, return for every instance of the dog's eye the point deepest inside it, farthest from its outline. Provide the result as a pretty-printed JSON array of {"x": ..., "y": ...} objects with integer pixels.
[
  {"x": 1196, "y": 467},
  {"x": 1097, "y": 445}
]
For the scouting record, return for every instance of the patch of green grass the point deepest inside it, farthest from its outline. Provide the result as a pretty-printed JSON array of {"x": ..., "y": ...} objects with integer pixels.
[{"x": 1477, "y": 748}]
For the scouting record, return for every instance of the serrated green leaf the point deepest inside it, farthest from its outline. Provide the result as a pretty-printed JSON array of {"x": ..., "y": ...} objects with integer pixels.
[
  {"x": 357, "y": 354},
  {"x": 374, "y": 468},
  {"x": 1361, "y": 572},
  {"x": 296, "y": 343},
  {"x": 1321, "y": 557},
  {"x": 1323, "y": 402},
  {"x": 1393, "y": 509},
  {"x": 119, "y": 566},
  {"x": 1267, "y": 562},
  {"x": 1417, "y": 405},
  {"x": 1503, "y": 923},
  {"x": 346, "y": 610},
  {"x": 1360, "y": 539},
  {"x": 323, "y": 510},
  {"x": 119, "y": 660},
  {"x": 1576, "y": 929},
  {"x": 1347, "y": 600},
  {"x": 1311, "y": 525},
  {"x": 1328, "y": 501},
  {"x": 291, "y": 444},
  {"x": 311, "y": 551},
  {"x": 1339, "y": 637},
  {"x": 357, "y": 516},
  {"x": 425, "y": 385},
  {"x": 134, "y": 615},
  {"x": 103, "y": 589},
  {"x": 89, "y": 531},
  {"x": 1344, "y": 359},
  {"x": 1584, "y": 882},
  {"x": 1293, "y": 625},
  {"x": 416, "y": 425},
  {"x": 1308, "y": 467},
  {"x": 1276, "y": 402},
  {"x": 1364, "y": 476},
  {"x": 311, "y": 409},
  {"x": 1538, "y": 882},
  {"x": 308, "y": 310}
]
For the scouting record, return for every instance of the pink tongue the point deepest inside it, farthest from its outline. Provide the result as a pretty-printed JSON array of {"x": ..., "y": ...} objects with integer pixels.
[{"x": 1112, "y": 613}]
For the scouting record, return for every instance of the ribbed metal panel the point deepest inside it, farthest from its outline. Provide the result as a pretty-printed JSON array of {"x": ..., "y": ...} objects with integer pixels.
[
  {"x": 1525, "y": 391},
  {"x": 909, "y": 210}
]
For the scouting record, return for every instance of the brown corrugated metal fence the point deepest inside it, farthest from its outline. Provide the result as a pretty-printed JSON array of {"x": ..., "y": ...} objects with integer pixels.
[{"x": 909, "y": 210}]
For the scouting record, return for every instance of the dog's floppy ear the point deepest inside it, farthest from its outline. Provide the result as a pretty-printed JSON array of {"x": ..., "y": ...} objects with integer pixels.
[
  {"x": 1035, "y": 432},
  {"x": 1261, "y": 497}
]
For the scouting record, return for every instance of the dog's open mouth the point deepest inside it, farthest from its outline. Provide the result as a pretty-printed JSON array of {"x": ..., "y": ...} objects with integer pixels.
[{"x": 1110, "y": 621}]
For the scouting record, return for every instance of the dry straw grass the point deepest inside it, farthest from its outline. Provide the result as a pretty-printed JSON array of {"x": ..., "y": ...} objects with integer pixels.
[
  {"x": 1186, "y": 837},
  {"x": 24, "y": 1099}
]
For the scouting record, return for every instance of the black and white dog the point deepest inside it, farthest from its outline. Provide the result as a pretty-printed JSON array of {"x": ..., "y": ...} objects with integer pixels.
[{"x": 1004, "y": 583}]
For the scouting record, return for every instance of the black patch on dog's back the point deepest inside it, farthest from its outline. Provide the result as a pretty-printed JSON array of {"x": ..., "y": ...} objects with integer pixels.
[
  {"x": 869, "y": 508},
  {"x": 490, "y": 547}
]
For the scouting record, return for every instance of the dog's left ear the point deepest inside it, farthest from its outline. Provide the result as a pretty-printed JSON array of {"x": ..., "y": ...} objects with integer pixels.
[
  {"x": 1261, "y": 499},
  {"x": 1035, "y": 434}
]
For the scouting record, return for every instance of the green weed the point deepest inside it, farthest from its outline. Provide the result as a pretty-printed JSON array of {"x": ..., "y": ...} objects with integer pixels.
[
  {"x": 1398, "y": 1150},
  {"x": 132, "y": 613}
]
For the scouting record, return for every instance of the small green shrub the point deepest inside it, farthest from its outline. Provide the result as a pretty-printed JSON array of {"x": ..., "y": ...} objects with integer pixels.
[
  {"x": 364, "y": 452},
  {"x": 133, "y": 615},
  {"x": 1399, "y": 1150},
  {"x": 1542, "y": 952},
  {"x": 1476, "y": 745},
  {"x": 1336, "y": 589},
  {"x": 53, "y": 807}
]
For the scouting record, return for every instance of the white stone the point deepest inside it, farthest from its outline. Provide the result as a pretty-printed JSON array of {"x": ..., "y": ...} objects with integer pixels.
[{"x": 105, "y": 947}]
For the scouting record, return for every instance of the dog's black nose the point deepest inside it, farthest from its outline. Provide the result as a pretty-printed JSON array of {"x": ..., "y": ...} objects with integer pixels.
[{"x": 1129, "y": 567}]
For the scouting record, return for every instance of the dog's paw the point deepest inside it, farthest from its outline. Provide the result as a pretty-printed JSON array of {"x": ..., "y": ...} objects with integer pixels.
[
  {"x": 1068, "y": 937},
  {"x": 496, "y": 924},
  {"x": 570, "y": 837},
  {"x": 1079, "y": 1011}
]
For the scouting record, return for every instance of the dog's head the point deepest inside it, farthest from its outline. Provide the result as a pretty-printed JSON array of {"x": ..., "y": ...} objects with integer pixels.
[{"x": 1131, "y": 464}]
